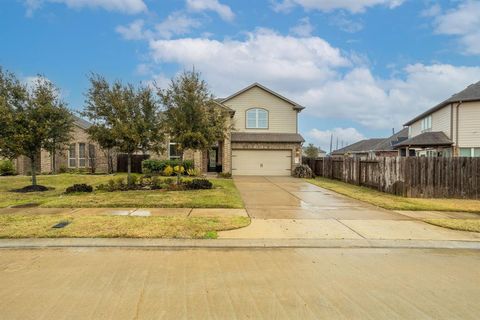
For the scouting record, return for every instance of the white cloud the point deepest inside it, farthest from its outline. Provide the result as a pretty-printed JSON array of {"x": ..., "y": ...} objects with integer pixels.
[
  {"x": 224, "y": 11},
  {"x": 133, "y": 31},
  {"x": 303, "y": 29},
  {"x": 344, "y": 136},
  {"x": 346, "y": 24},
  {"x": 354, "y": 6},
  {"x": 176, "y": 23},
  {"x": 265, "y": 56},
  {"x": 317, "y": 75},
  {"x": 386, "y": 103},
  {"x": 464, "y": 22},
  {"x": 125, "y": 6}
]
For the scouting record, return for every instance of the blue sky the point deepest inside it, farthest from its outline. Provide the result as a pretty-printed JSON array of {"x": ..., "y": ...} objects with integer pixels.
[{"x": 359, "y": 67}]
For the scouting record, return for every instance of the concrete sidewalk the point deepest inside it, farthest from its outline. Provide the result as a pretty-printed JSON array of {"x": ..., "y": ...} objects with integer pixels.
[{"x": 139, "y": 212}]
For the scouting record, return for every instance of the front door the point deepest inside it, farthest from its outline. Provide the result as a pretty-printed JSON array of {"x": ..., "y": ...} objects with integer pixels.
[{"x": 212, "y": 159}]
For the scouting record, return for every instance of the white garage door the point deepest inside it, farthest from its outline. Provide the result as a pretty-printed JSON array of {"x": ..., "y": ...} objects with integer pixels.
[{"x": 261, "y": 162}]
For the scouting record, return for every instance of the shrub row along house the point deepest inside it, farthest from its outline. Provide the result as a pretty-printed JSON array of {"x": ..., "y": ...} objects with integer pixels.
[
  {"x": 449, "y": 129},
  {"x": 263, "y": 140}
]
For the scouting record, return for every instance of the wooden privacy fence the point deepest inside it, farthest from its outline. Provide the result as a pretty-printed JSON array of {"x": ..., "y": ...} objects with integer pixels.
[{"x": 416, "y": 177}]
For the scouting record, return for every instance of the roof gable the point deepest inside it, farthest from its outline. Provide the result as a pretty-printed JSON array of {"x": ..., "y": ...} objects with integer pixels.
[
  {"x": 295, "y": 105},
  {"x": 470, "y": 93}
]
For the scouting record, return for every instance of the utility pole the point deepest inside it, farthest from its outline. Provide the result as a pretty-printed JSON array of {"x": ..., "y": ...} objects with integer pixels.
[{"x": 331, "y": 143}]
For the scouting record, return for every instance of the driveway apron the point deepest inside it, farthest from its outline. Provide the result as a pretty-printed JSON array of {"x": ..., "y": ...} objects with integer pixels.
[{"x": 291, "y": 208}]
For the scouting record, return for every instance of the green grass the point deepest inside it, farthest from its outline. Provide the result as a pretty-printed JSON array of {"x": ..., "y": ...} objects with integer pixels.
[
  {"x": 223, "y": 195},
  {"x": 472, "y": 225},
  {"x": 392, "y": 202},
  {"x": 40, "y": 226}
]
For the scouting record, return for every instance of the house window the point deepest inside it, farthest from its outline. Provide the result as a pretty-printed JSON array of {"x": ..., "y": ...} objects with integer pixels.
[
  {"x": 469, "y": 152},
  {"x": 427, "y": 124},
  {"x": 257, "y": 118},
  {"x": 91, "y": 155},
  {"x": 82, "y": 155},
  {"x": 173, "y": 151},
  {"x": 72, "y": 156},
  {"x": 465, "y": 152}
]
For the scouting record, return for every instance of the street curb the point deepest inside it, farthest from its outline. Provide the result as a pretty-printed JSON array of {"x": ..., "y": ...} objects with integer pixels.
[{"x": 232, "y": 243}]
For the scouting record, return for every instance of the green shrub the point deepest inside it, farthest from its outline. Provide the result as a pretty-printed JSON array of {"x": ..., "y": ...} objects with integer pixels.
[
  {"x": 158, "y": 166},
  {"x": 6, "y": 168},
  {"x": 303, "y": 171},
  {"x": 193, "y": 172},
  {"x": 168, "y": 171},
  {"x": 225, "y": 175},
  {"x": 79, "y": 188},
  {"x": 198, "y": 184}
]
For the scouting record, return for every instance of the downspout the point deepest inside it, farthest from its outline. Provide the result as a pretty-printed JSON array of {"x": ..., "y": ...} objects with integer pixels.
[{"x": 457, "y": 148}]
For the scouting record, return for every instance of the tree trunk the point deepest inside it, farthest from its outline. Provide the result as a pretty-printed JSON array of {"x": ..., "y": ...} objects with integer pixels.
[
  {"x": 129, "y": 168},
  {"x": 34, "y": 170},
  {"x": 53, "y": 157},
  {"x": 180, "y": 164}
]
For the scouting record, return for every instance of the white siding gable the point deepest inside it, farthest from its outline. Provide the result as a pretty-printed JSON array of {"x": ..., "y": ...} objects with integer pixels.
[{"x": 281, "y": 115}]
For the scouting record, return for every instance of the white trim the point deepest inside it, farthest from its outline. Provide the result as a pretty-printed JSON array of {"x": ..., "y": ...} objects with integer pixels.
[
  {"x": 170, "y": 157},
  {"x": 70, "y": 155}
]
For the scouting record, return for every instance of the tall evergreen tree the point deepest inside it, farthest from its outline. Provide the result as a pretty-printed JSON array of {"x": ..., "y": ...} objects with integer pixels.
[
  {"x": 31, "y": 119},
  {"x": 124, "y": 117},
  {"x": 194, "y": 121}
]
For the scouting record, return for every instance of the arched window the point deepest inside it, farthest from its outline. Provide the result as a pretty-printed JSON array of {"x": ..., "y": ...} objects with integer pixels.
[{"x": 257, "y": 118}]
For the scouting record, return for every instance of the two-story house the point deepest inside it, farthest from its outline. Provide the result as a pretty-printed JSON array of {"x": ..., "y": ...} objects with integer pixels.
[
  {"x": 451, "y": 128},
  {"x": 264, "y": 139}
]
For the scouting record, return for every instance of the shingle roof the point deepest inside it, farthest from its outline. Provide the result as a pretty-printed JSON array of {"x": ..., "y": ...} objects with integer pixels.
[
  {"x": 266, "y": 137},
  {"x": 360, "y": 146},
  {"x": 426, "y": 139},
  {"x": 471, "y": 93},
  {"x": 82, "y": 123},
  {"x": 295, "y": 105},
  {"x": 388, "y": 144}
]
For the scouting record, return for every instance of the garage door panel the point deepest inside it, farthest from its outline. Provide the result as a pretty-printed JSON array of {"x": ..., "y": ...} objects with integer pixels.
[{"x": 261, "y": 162}]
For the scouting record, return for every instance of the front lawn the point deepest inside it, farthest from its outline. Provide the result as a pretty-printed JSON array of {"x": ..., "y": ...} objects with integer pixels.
[
  {"x": 392, "y": 202},
  {"x": 457, "y": 224},
  {"x": 223, "y": 195},
  {"x": 85, "y": 226}
]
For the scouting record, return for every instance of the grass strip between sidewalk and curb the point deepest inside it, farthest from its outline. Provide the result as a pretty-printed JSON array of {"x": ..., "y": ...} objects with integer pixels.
[
  {"x": 392, "y": 202},
  {"x": 472, "y": 225},
  {"x": 40, "y": 226}
]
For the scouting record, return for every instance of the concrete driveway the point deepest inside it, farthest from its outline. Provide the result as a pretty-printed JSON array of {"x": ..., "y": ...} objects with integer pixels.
[
  {"x": 291, "y": 198},
  {"x": 290, "y": 208}
]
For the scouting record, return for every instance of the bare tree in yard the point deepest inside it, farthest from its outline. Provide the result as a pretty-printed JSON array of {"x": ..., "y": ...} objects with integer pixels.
[
  {"x": 124, "y": 117},
  {"x": 31, "y": 120},
  {"x": 191, "y": 116},
  {"x": 311, "y": 151}
]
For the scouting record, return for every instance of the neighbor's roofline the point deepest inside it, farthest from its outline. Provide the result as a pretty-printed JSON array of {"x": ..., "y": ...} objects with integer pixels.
[
  {"x": 436, "y": 108},
  {"x": 295, "y": 105}
]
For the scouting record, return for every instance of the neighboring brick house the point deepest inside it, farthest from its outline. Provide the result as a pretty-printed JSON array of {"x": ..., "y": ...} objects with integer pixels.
[
  {"x": 372, "y": 148},
  {"x": 80, "y": 154},
  {"x": 451, "y": 128}
]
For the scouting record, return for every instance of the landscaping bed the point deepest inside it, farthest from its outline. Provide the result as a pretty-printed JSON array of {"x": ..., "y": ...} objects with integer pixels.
[
  {"x": 41, "y": 226},
  {"x": 392, "y": 202},
  {"x": 222, "y": 195}
]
